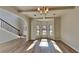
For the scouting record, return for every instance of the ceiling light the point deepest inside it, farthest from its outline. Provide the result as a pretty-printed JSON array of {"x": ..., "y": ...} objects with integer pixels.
[
  {"x": 43, "y": 10},
  {"x": 38, "y": 9}
]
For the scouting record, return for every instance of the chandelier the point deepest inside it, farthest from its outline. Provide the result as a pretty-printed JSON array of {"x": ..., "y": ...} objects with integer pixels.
[{"x": 43, "y": 10}]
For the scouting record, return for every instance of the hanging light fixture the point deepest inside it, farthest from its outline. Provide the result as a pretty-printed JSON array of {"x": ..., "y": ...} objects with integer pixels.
[{"x": 43, "y": 10}]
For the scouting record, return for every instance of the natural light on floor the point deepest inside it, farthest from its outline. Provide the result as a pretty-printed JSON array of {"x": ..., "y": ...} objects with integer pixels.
[
  {"x": 56, "y": 47},
  {"x": 32, "y": 45},
  {"x": 43, "y": 43}
]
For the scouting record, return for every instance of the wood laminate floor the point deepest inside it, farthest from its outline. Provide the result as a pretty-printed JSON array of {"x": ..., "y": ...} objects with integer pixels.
[
  {"x": 43, "y": 49},
  {"x": 64, "y": 47},
  {"x": 34, "y": 47}
]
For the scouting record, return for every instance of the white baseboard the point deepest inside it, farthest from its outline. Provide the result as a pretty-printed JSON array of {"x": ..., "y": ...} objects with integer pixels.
[{"x": 70, "y": 45}]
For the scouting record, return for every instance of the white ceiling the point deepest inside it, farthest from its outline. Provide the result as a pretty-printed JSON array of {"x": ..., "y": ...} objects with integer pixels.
[
  {"x": 32, "y": 14},
  {"x": 27, "y": 7},
  {"x": 57, "y": 13}
]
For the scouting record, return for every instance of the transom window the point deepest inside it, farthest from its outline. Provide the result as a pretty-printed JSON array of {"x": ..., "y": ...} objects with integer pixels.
[{"x": 44, "y": 30}]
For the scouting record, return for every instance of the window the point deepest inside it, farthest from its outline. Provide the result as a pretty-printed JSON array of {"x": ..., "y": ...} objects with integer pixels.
[
  {"x": 44, "y": 27},
  {"x": 44, "y": 30},
  {"x": 37, "y": 30},
  {"x": 51, "y": 29}
]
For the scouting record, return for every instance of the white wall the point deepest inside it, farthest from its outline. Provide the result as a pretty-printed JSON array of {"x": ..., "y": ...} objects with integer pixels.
[
  {"x": 26, "y": 29},
  {"x": 23, "y": 18},
  {"x": 70, "y": 28},
  {"x": 6, "y": 36},
  {"x": 12, "y": 19},
  {"x": 57, "y": 28}
]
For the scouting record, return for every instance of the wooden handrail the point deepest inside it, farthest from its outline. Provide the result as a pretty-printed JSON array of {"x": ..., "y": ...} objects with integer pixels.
[{"x": 9, "y": 24}]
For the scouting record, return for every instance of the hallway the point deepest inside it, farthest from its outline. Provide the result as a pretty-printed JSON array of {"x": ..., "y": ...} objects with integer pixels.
[
  {"x": 49, "y": 46},
  {"x": 44, "y": 46},
  {"x": 38, "y": 46},
  {"x": 39, "y": 29}
]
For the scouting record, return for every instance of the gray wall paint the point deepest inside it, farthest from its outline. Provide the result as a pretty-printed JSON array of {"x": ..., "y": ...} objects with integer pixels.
[
  {"x": 13, "y": 20},
  {"x": 70, "y": 28},
  {"x": 6, "y": 36},
  {"x": 57, "y": 28}
]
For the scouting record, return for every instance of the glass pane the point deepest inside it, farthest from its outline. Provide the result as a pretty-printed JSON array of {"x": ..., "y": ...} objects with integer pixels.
[
  {"x": 51, "y": 29},
  {"x": 44, "y": 27},
  {"x": 44, "y": 32},
  {"x": 51, "y": 32},
  {"x": 37, "y": 32}
]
